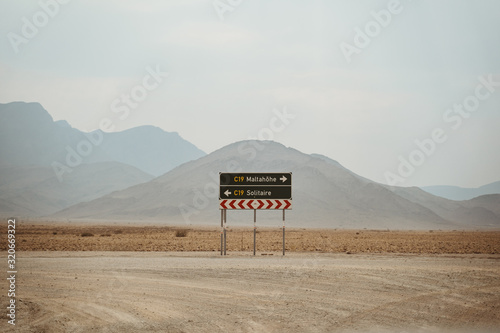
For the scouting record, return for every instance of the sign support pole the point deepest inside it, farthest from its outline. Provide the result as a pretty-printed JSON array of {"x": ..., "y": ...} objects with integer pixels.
[
  {"x": 254, "y": 229},
  {"x": 283, "y": 231},
  {"x": 225, "y": 227},
  {"x": 221, "y": 231}
]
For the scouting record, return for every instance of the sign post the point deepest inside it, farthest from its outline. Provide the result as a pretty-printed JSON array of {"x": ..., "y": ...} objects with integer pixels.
[
  {"x": 254, "y": 229},
  {"x": 221, "y": 232},
  {"x": 225, "y": 227},
  {"x": 283, "y": 232},
  {"x": 254, "y": 191}
]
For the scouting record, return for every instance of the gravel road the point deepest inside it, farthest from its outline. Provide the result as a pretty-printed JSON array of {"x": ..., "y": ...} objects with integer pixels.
[{"x": 301, "y": 292}]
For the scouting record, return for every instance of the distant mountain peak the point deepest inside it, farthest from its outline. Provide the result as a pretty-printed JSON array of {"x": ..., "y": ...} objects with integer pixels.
[
  {"x": 148, "y": 148},
  {"x": 460, "y": 193},
  {"x": 25, "y": 114},
  {"x": 63, "y": 123},
  {"x": 326, "y": 158}
]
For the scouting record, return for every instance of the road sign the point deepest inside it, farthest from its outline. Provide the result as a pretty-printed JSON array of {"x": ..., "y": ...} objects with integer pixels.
[
  {"x": 255, "y": 190},
  {"x": 273, "y": 179},
  {"x": 256, "y": 204}
]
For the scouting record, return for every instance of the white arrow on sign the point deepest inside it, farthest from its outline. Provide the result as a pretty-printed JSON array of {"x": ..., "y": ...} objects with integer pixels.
[
  {"x": 283, "y": 179},
  {"x": 227, "y": 193}
]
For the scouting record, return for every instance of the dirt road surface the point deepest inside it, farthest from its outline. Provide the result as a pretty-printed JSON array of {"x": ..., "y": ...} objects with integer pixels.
[{"x": 301, "y": 292}]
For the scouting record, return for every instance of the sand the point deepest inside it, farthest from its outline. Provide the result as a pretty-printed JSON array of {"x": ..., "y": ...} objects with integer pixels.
[
  {"x": 128, "y": 279},
  {"x": 203, "y": 292},
  {"x": 92, "y": 237}
]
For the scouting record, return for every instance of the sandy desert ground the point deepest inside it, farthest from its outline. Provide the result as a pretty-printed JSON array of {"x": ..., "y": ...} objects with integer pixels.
[
  {"x": 127, "y": 237},
  {"x": 329, "y": 281},
  {"x": 203, "y": 292}
]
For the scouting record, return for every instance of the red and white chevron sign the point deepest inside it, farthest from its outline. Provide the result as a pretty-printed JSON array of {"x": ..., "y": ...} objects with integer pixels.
[{"x": 255, "y": 204}]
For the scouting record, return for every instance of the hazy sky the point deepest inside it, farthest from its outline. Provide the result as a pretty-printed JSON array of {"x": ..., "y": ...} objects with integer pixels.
[{"x": 359, "y": 81}]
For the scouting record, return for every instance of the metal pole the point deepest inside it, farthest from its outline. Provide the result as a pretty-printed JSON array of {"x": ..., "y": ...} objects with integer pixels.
[
  {"x": 254, "y": 229},
  {"x": 283, "y": 232},
  {"x": 225, "y": 227},
  {"x": 221, "y": 231}
]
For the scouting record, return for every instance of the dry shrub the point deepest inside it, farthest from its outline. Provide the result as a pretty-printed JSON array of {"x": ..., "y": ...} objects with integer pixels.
[
  {"x": 181, "y": 233},
  {"x": 87, "y": 234}
]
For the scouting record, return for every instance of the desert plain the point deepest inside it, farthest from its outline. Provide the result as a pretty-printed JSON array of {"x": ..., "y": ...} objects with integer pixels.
[{"x": 129, "y": 278}]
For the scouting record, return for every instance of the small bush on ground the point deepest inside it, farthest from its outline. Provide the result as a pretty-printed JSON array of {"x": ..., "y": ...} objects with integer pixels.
[{"x": 181, "y": 233}]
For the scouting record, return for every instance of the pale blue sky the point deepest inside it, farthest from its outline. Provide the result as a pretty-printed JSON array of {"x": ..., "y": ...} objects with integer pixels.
[{"x": 225, "y": 77}]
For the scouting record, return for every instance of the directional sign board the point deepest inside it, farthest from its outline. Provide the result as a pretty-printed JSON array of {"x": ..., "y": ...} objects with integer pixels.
[{"x": 255, "y": 191}]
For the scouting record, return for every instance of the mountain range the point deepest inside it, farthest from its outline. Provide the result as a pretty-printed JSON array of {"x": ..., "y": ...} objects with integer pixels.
[
  {"x": 460, "y": 193},
  {"x": 47, "y": 165},
  {"x": 36, "y": 191},
  {"x": 50, "y": 169},
  {"x": 29, "y": 136},
  {"x": 325, "y": 195}
]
